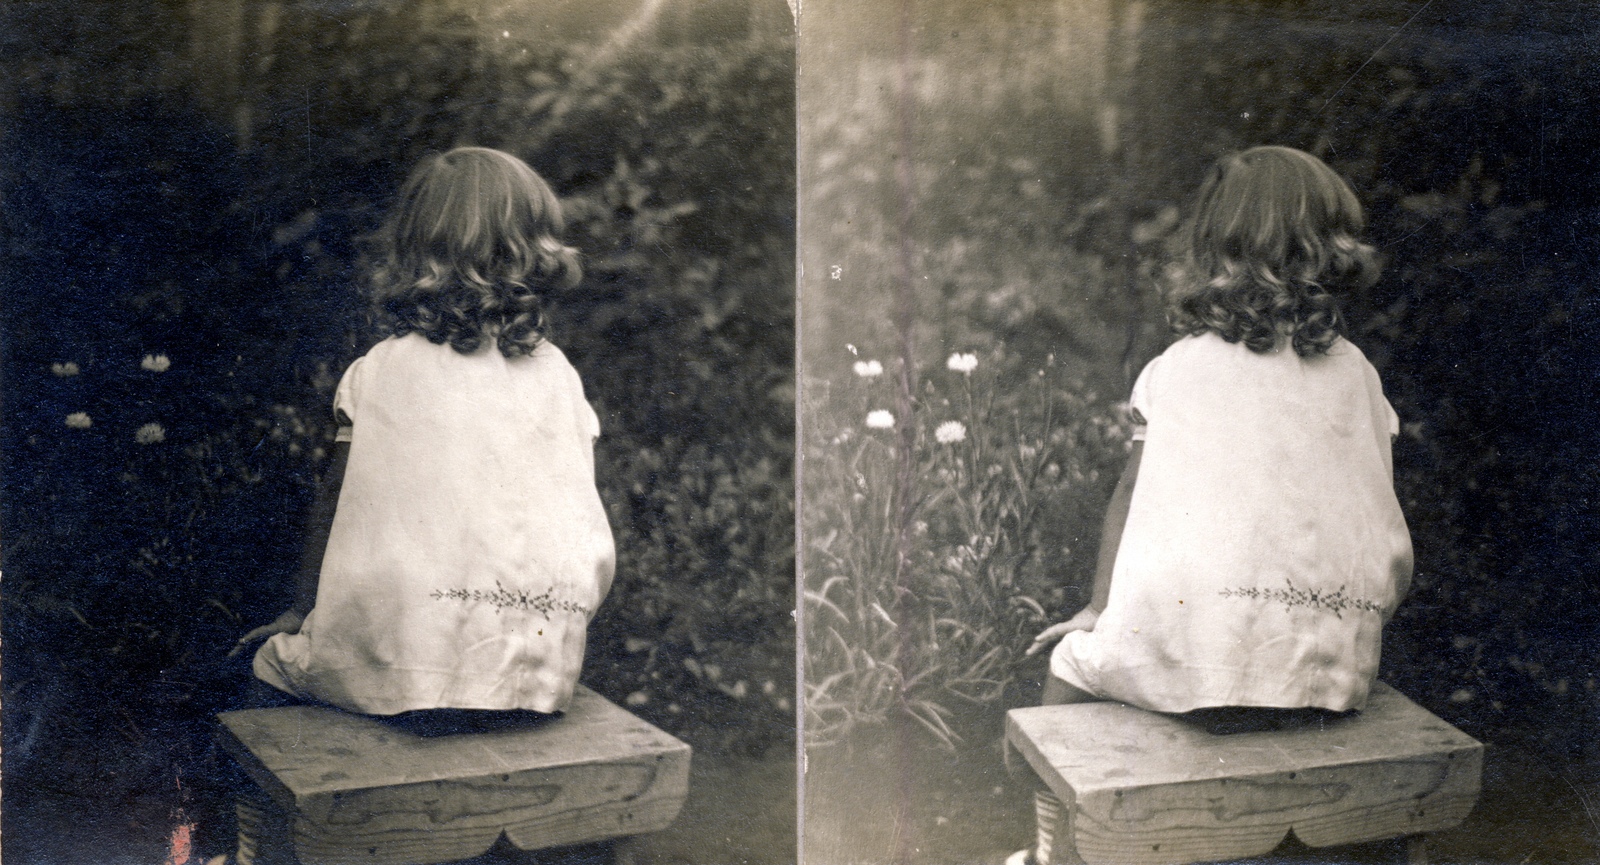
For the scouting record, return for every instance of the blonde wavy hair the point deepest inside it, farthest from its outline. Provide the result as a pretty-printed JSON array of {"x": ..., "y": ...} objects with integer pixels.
[
  {"x": 468, "y": 252},
  {"x": 1274, "y": 239}
]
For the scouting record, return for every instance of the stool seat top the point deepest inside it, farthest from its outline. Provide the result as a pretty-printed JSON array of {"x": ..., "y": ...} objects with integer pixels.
[
  {"x": 315, "y": 751},
  {"x": 1096, "y": 746}
]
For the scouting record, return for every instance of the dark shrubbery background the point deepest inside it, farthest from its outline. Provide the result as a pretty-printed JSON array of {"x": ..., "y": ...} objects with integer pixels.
[
  {"x": 964, "y": 153},
  {"x": 1470, "y": 140},
  {"x": 159, "y": 201}
]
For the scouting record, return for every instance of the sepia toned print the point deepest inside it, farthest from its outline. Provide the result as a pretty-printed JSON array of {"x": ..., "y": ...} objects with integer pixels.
[
  {"x": 989, "y": 476},
  {"x": 998, "y": 205},
  {"x": 193, "y": 195}
]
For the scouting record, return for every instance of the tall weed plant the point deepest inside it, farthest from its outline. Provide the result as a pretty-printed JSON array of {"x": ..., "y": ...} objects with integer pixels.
[{"x": 941, "y": 538}]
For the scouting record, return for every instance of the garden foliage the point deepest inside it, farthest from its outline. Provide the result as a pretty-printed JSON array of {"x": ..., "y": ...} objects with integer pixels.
[
  {"x": 180, "y": 302},
  {"x": 1467, "y": 148}
]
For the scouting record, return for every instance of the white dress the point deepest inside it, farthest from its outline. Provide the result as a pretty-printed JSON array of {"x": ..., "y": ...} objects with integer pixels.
[
  {"x": 469, "y": 549},
  {"x": 1264, "y": 547}
]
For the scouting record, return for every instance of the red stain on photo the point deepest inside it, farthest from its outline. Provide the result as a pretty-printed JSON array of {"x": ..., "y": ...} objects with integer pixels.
[{"x": 180, "y": 849}]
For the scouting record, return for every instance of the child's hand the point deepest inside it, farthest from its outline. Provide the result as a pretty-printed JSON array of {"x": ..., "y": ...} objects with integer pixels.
[
  {"x": 288, "y": 623},
  {"x": 1083, "y": 621}
]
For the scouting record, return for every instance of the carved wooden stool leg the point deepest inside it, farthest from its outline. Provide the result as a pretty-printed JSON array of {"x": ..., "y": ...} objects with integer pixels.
[
  {"x": 265, "y": 837},
  {"x": 1417, "y": 850}
]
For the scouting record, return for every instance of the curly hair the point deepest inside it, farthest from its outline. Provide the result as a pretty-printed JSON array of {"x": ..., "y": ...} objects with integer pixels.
[
  {"x": 468, "y": 252},
  {"x": 1274, "y": 238}
]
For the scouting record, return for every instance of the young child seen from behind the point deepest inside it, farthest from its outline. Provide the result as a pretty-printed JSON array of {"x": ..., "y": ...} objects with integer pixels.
[
  {"x": 1254, "y": 548},
  {"x": 468, "y": 549},
  {"x": 459, "y": 548}
]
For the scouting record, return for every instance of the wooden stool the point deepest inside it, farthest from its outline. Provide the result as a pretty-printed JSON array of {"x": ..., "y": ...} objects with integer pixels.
[
  {"x": 352, "y": 789},
  {"x": 1138, "y": 788}
]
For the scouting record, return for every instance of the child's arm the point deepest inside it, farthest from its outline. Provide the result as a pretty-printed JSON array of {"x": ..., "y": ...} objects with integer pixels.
[
  {"x": 1110, "y": 539},
  {"x": 317, "y": 528},
  {"x": 1111, "y": 530},
  {"x": 321, "y": 522},
  {"x": 1403, "y": 567}
]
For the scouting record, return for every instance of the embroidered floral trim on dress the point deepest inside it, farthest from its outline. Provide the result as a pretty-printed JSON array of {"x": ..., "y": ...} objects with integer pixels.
[
  {"x": 1335, "y": 602},
  {"x": 503, "y": 598}
]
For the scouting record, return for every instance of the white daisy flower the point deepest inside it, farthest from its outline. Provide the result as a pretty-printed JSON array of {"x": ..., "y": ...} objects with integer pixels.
[
  {"x": 65, "y": 370},
  {"x": 950, "y": 432},
  {"x": 962, "y": 363},
  {"x": 150, "y": 433},
  {"x": 79, "y": 420},
  {"x": 868, "y": 368},
  {"x": 155, "y": 363},
  {"x": 880, "y": 419}
]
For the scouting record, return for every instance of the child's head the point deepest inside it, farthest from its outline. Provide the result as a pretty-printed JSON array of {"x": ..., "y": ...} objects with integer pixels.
[
  {"x": 468, "y": 249},
  {"x": 1274, "y": 237}
]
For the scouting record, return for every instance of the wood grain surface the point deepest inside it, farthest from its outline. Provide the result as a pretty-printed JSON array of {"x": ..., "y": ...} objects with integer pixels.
[
  {"x": 1147, "y": 788},
  {"x": 364, "y": 791}
]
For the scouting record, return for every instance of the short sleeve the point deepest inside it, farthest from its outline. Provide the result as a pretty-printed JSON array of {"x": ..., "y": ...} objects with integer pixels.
[
  {"x": 588, "y": 421},
  {"x": 1139, "y": 400},
  {"x": 345, "y": 399},
  {"x": 588, "y": 418},
  {"x": 1381, "y": 404}
]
